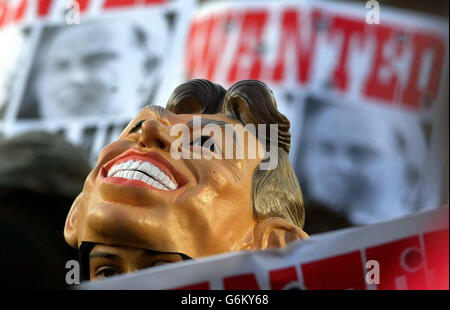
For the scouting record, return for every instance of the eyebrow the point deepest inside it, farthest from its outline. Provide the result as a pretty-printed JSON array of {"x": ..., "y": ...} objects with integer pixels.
[
  {"x": 160, "y": 112},
  {"x": 103, "y": 254},
  {"x": 222, "y": 124}
]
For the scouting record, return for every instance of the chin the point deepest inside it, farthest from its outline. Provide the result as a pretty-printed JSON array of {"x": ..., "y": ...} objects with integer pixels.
[{"x": 121, "y": 225}]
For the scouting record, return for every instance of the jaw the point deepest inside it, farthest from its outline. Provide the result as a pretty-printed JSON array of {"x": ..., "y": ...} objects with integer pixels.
[
  {"x": 129, "y": 226},
  {"x": 115, "y": 225}
]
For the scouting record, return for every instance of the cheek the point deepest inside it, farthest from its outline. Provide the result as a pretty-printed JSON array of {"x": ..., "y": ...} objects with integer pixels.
[
  {"x": 47, "y": 84},
  {"x": 114, "y": 149},
  {"x": 107, "y": 153},
  {"x": 213, "y": 220},
  {"x": 217, "y": 179},
  {"x": 81, "y": 215}
]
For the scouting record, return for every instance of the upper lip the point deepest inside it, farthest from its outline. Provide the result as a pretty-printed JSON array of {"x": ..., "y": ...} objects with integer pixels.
[{"x": 154, "y": 158}]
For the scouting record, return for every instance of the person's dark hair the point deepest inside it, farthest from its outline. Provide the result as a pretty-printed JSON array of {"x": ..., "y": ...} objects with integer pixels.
[
  {"x": 275, "y": 192},
  {"x": 40, "y": 176}
]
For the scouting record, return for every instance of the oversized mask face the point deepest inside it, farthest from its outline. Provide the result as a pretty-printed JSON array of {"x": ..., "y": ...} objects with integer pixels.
[{"x": 142, "y": 194}]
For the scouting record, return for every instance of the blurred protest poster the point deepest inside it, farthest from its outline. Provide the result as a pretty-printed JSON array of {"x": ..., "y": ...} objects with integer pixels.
[
  {"x": 364, "y": 86},
  {"x": 86, "y": 67}
]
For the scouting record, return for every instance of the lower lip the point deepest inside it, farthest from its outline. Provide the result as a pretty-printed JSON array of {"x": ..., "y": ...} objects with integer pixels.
[{"x": 127, "y": 182}]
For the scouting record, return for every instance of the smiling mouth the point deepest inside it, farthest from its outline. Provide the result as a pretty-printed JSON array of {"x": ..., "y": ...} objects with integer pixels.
[{"x": 143, "y": 171}]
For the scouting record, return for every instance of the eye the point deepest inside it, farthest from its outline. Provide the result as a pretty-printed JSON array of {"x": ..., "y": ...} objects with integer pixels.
[
  {"x": 205, "y": 142},
  {"x": 138, "y": 127},
  {"x": 105, "y": 272},
  {"x": 60, "y": 65}
]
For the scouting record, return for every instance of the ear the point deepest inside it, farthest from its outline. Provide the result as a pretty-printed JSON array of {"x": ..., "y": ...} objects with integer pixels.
[
  {"x": 275, "y": 232},
  {"x": 70, "y": 228}
]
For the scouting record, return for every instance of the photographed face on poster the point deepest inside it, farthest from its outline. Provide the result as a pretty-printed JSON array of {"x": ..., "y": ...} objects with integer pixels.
[
  {"x": 96, "y": 68},
  {"x": 360, "y": 163},
  {"x": 13, "y": 38}
]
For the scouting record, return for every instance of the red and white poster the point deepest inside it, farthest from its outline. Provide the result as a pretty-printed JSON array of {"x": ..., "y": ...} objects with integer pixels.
[
  {"x": 84, "y": 68},
  {"x": 410, "y": 253},
  {"x": 365, "y": 97}
]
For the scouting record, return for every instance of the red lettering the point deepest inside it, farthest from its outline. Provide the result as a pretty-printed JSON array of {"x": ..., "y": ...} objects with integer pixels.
[
  {"x": 154, "y": 1},
  {"x": 241, "y": 282},
  {"x": 348, "y": 29},
  {"x": 291, "y": 42},
  {"x": 83, "y": 5},
  {"x": 401, "y": 264},
  {"x": 205, "y": 46},
  {"x": 413, "y": 94},
  {"x": 281, "y": 277},
  {"x": 335, "y": 273},
  {"x": 194, "y": 46},
  {"x": 44, "y": 7},
  {"x": 247, "y": 61},
  {"x": 196, "y": 286},
  {"x": 375, "y": 86},
  {"x": 117, "y": 3},
  {"x": 436, "y": 250},
  {"x": 4, "y": 8},
  {"x": 20, "y": 12}
]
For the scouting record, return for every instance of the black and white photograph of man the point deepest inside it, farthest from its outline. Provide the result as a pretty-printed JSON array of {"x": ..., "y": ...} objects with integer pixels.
[
  {"x": 359, "y": 162},
  {"x": 105, "y": 67}
]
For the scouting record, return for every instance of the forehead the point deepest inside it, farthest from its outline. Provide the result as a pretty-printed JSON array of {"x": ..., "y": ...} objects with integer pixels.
[
  {"x": 90, "y": 38},
  {"x": 117, "y": 251},
  {"x": 347, "y": 126}
]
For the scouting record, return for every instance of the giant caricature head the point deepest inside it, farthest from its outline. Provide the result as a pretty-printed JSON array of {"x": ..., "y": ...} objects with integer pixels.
[{"x": 197, "y": 207}]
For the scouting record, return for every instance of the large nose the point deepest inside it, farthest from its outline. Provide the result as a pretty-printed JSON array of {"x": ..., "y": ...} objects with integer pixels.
[
  {"x": 79, "y": 75},
  {"x": 155, "y": 134},
  {"x": 344, "y": 164}
]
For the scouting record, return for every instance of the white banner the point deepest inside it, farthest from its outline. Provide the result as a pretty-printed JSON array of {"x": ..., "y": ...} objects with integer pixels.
[
  {"x": 410, "y": 253},
  {"x": 84, "y": 68}
]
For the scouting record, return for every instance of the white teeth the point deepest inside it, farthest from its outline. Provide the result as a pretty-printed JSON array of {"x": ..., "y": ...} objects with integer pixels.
[
  {"x": 145, "y": 167},
  {"x": 166, "y": 180},
  {"x": 118, "y": 167},
  {"x": 127, "y": 165},
  {"x": 154, "y": 171},
  {"x": 114, "y": 169},
  {"x": 172, "y": 185},
  {"x": 138, "y": 175},
  {"x": 135, "y": 165},
  {"x": 145, "y": 178},
  {"x": 129, "y": 174},
  {"x": 160, "y": 176},
  {"x": 138, "y": 170}
]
